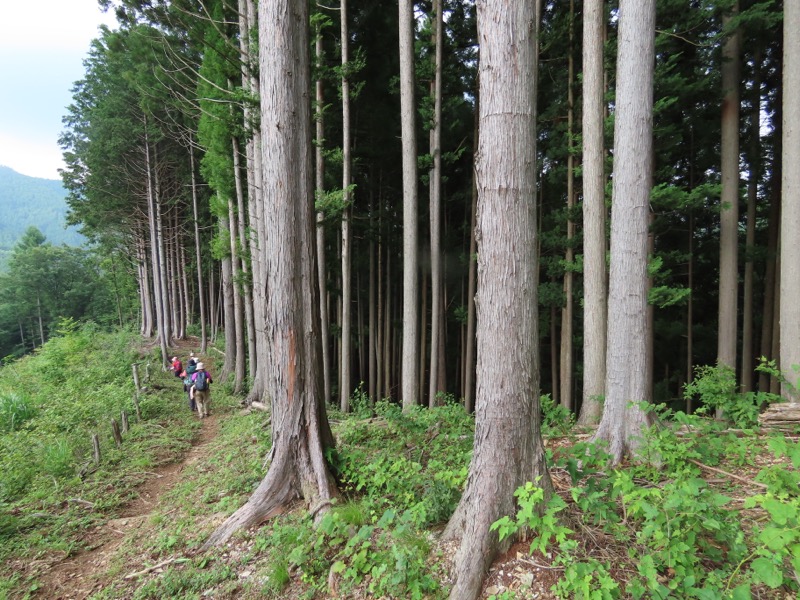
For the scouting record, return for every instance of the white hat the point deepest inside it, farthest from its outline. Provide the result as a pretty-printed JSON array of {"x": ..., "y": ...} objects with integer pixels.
[{"x": 200, "y": 366}]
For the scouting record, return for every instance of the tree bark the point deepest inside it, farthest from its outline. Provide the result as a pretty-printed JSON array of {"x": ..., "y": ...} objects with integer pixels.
[
  {"x": 508, "y": 449},
  {"x": 729, "y": 201},
  {"x": 469, "y": 374},
  {"x": 319, "y": 170},
  {"x": 245, "y": 279},
  {"x": 594, "y": 217},
  {"x": 627, "y": 377},
  {"x": 300, "y": 432},
  {"x": 236, "y": 277},
  {"x": 152, "y": 208},
  {"x": 750, "y": 235},
  {"x": 435, "y": 186},
  {"x": 347, "y": 237},
  {"x": 198, "y": 257},
  {"x": 228, "y": 306},
  {"x": 790, "y": 205},
  {"x": 569, "y": 256},
  {"x": 410, "y": 367},
  {"x": 247, "y": 23}
]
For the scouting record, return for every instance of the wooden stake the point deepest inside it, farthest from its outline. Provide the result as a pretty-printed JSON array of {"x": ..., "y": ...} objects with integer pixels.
[
  {"x": 136, "y": 405},
  {"x": 124, "y": 421},
  {"x": 136, "y": 382},
  {"x": 115, "y": 432},
  {"x": 96, "y": 448}
]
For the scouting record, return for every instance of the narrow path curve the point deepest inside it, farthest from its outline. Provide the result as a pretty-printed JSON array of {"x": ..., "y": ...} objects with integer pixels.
[{"x": 78, "y": 576}]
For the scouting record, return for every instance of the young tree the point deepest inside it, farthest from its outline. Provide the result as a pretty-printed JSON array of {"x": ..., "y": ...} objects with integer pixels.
[
  {"x": 594, "y": 216},
  {"x": 301, "y": 431},
  {"x": 410, "y": 367},
  {"x": 508, "y": 448},
  {"x": 347, "y": 232},
  {"x": 566, "y": 361},
  {"x": 435, "y": 185},
  {"x": 627, "y": 376},
  {"x": 790, "y": 202}
]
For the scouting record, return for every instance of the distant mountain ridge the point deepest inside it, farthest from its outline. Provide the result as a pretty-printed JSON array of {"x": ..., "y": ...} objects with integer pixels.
[{"x": 26, "y": 201}]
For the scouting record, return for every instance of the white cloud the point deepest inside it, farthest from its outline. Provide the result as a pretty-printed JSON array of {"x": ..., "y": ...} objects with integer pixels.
[
  {"x": 34, "y": 158},
  {"x": 50, "y": 24},
  {"x": 42, "y": 46}
]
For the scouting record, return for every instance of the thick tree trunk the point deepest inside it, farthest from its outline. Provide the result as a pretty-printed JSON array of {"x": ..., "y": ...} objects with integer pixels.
[
  {"x": 594, "y": 217},
  {"x": 507, "y": 407},
  {"x": 790, "y": 205},
  {"x": 627, "y": 378},
  {"x": 298, "y": 467},
  {"x": 729, "y": 202},
  {"x": 410, "y": 367}
]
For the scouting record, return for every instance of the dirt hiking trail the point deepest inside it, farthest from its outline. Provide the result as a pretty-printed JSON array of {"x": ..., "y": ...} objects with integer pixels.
[{"x": 75, "y": 576}]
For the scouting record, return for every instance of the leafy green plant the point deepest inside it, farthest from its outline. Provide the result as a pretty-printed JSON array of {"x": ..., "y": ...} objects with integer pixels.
[
  {"x": 15, "y": 409},
  {"x": 776, "y": 559},
  {"x": 715, "y": 387},
  {"x": 556, "y": 418},
  {"x": 588, "y": 580}
]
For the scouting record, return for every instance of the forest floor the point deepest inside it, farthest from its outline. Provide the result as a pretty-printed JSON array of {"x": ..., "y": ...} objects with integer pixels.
[
  {"x": 121, "y": 537},
  {"x": 148, "y": 547},
  {"x": 80, "y": 575}
]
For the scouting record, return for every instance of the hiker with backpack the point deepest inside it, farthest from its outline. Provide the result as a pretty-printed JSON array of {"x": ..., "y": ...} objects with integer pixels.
[
  {"x": 188, "y": 385},
  {"x": 176, "y": 366},
  {"x": 201, "y": 380}
]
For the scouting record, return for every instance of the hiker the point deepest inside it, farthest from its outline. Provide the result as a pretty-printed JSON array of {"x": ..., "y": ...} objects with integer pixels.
[
  {"x": 202, "y": 394},
  {"x": 176, "y": 366},
  {"x": 188, "y": 386}
]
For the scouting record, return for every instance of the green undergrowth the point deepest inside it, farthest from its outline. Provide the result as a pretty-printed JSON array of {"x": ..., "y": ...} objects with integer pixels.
[
  {"x": 400, "y": 477},
  {"x": 51, "y": 490},
  {"x": 676, "y": 535},
  {"x": 210, "y": 488}
]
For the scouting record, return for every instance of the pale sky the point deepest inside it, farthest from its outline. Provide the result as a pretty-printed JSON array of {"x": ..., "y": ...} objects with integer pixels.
[{"x": 42, "y": 47}]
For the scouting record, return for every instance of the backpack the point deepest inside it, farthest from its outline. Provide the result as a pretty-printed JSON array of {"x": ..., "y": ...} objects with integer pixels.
[
  {"x": 201, "y": 381},
  {"x": 191, "y": 368}
]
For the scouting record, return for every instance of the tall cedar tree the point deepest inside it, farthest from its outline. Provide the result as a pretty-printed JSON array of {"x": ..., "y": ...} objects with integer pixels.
[
  {"x": 508, "y": 449},
  {"x": 301, "y": 432}
]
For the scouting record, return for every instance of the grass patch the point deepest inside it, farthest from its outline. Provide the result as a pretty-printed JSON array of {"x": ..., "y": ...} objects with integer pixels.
[{"x": 50, "y": 405}]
